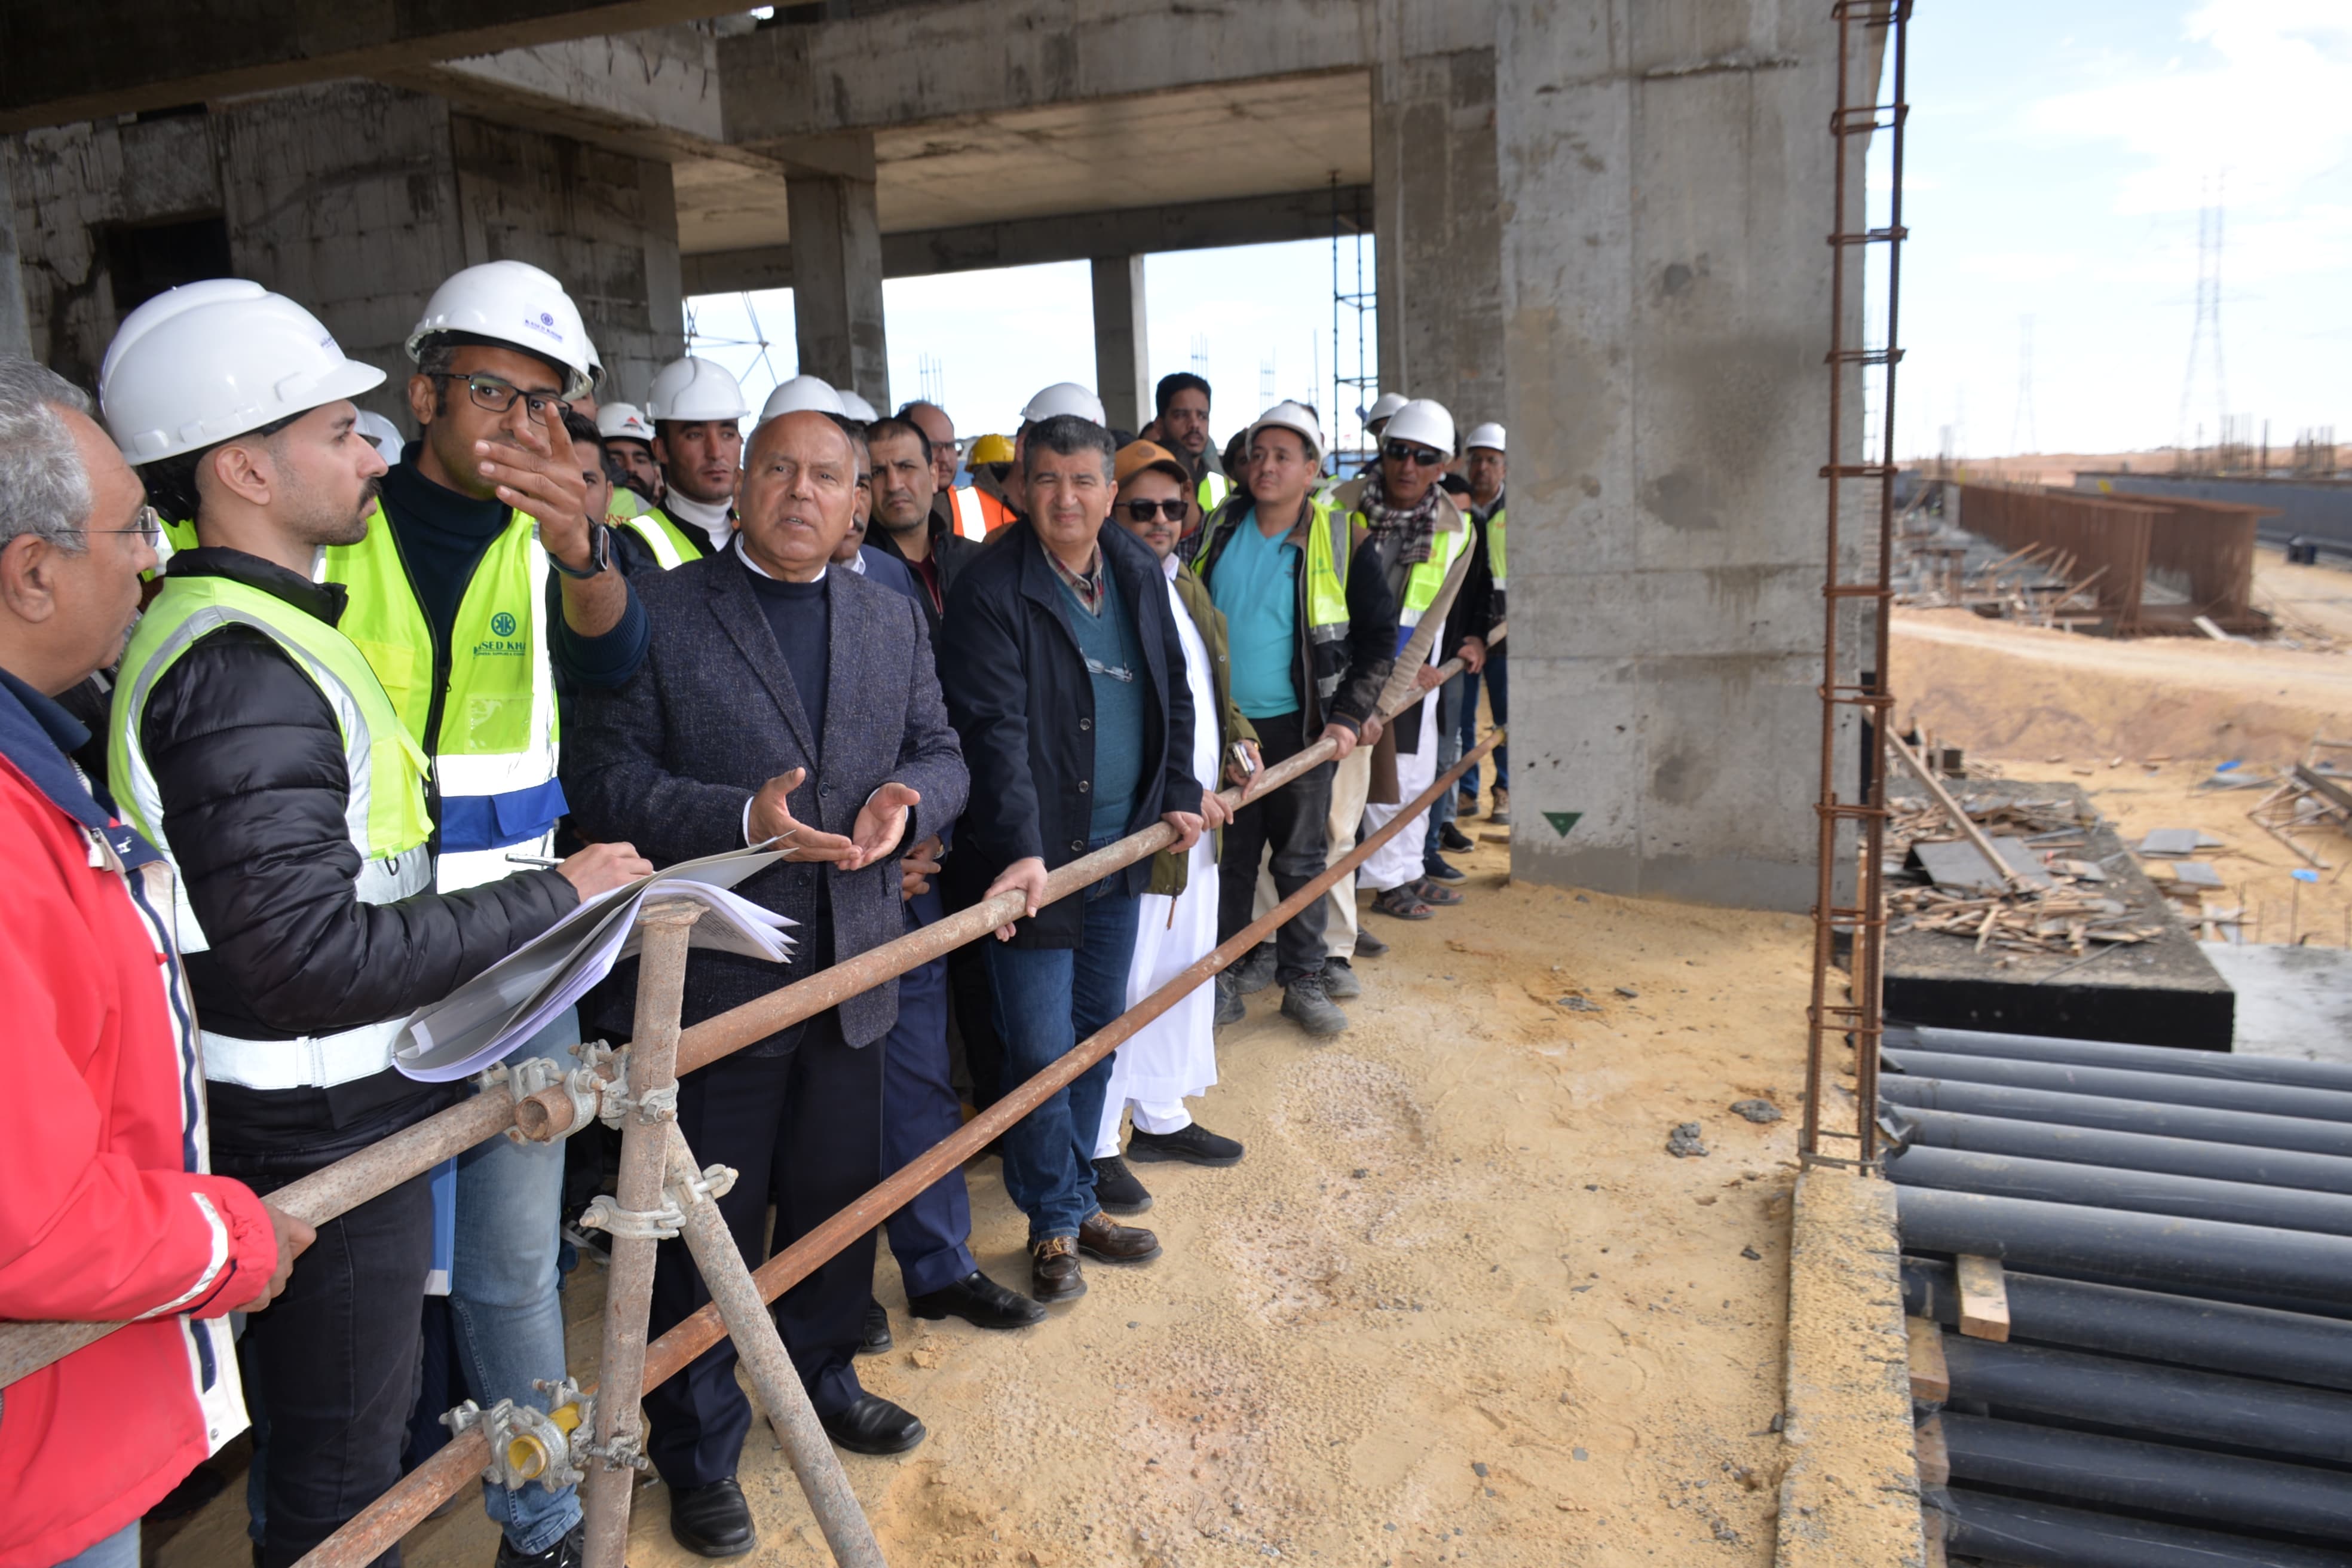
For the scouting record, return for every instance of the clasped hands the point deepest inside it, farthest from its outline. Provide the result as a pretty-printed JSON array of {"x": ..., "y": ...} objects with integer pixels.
[{"x": 881, "y": 824}]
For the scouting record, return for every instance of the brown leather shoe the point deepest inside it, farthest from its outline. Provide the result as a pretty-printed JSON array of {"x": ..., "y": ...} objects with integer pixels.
[
  {"x": 1106, "y": 1240},
  {"x": 1053, "y": 1271}
]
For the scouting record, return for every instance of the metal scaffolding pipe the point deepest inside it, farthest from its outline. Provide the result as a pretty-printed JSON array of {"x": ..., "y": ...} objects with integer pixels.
[
  {"x": 2242, "y": 1127},
  {"x": 2336, "y": 1075},
  {"x": 382, "y": 1523},
  {"x": 2162, "y": 1401},
  {"x": 2102, "y": 1186},
  {"x": 2124, "y": 1150},
  {"x": 2012, "y": 1531},
  {"x": 2164, "y": 1087},
  {"x": 2193, "y": 1484},
  {"x": 2183, "y": 1255},
  {"x": 2153, "y": 1325}
]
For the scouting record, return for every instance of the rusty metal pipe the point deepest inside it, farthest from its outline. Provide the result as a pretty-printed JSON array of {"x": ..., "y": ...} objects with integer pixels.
[
  {"x": 383, "y": 1521},
  {"x": 761, "y": 1349},
  {"x": 629, "y": 1280}
]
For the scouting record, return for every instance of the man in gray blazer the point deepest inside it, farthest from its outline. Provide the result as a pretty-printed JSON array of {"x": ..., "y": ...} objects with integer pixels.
[{"x": 778, "y": 700}]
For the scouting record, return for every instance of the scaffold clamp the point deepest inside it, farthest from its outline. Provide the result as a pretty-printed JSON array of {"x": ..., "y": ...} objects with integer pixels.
[{"x": 632, "y": 1225}]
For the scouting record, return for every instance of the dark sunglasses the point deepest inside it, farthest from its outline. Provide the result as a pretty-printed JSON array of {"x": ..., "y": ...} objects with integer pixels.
[
  {"x": 1420, "y": 456},
  {"x": 496, "y": 396},
  {"x": 1145, "y": 511}
]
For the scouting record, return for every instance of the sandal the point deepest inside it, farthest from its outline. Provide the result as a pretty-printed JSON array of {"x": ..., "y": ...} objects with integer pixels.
[
  {"x": 1431, "y": 892},
  {"x": 1402, "y": 903}
]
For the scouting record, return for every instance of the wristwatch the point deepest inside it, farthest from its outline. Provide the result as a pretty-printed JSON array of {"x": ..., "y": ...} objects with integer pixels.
[{"x": 600, "y": 553}]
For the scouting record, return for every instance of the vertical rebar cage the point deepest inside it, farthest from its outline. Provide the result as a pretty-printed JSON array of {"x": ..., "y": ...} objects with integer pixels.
[{"x": 1858, "y": 115}]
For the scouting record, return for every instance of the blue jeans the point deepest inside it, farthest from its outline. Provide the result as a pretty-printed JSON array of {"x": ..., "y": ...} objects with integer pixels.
[
  {"x": 1048, "y": 999},
  {"x": 1498, "y": 679},
  {"x": 1453, "y": 698},
  {"x": 503, "y": 1290},
  {"x": 931, "y": 1237},
  {"x": 120, "y": 1550}
]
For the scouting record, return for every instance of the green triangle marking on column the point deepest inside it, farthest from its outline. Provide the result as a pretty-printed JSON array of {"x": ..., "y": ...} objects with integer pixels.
[{"x": 1561, "y": 821}]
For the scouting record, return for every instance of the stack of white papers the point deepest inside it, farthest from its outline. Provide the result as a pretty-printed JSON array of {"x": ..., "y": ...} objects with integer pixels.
[{"x": 477, "y": 1024}]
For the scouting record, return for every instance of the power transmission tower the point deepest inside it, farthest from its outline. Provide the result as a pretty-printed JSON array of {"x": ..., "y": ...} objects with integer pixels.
[
  {"x": 2022, "y": 436},
  {"x": 2205, "y": 339}
]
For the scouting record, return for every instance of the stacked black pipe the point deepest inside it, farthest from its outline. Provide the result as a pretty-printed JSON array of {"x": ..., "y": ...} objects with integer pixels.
[{"x": 2176, "y": 1232}]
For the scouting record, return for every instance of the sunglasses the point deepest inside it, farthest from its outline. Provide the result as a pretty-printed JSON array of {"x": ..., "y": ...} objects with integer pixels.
[
  {"x": 1142, "y": 512},
  {"x": 1420, "y": 456},
  {"x": 496, "y": 397}
]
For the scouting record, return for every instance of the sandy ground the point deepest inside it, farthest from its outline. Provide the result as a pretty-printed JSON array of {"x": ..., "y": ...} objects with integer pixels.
[{"x": 1457, "y": 1305}]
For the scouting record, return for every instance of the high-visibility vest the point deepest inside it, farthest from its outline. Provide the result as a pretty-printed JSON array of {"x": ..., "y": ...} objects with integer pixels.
[
  {"x": 1213, "y": 489},
  {"x": 176, "y": 537},
  {"x": 495, "y": 747},
  {"x": 1326, "y": 586},
  {"x": 977, "y": 514},
  {"x": 671, "y": 545},
  {"x": 1426, "y": 578},
  {"x": 383, "y": 811},
  {"x": 1495, "y": 547}
]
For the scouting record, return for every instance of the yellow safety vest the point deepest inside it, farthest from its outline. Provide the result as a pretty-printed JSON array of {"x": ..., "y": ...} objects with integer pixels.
[
  {"x": 1214, "y": 488},
  {"x": 383, "y": 812},
  {"x": 495, "y": 746},
  {"x": 1495, "y": 546},
  {"x": 1327, "y": 586},
  {"x": 670, "y": 544}
]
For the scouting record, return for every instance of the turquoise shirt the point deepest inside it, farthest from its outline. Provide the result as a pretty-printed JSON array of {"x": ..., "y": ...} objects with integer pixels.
[
  {"x": 1115, "y": 666},
  {"x": 1256, "y": 587}
]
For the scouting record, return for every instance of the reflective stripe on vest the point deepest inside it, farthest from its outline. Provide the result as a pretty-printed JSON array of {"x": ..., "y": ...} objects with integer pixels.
[
  {"x": 1214, "y": 487},
  {"x": 971, "y": 519},
  {"x": 383, "y": 812},
  {"x": 671, "y": 547},
  {"x": 495, "y": 757},
  {"x": 1327, "y": 586},
  {"x": 1423, "y": 582},
  {"x": 1495, "y": 546}
]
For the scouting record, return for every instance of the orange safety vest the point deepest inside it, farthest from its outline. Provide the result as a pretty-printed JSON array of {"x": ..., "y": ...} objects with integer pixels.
[{"x": 977, "y": 514}]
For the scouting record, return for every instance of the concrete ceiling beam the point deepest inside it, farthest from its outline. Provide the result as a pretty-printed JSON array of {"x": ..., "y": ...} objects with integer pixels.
[{"x": 1073, "y": 236}]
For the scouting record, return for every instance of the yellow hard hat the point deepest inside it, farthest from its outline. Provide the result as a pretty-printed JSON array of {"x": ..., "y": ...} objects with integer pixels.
[{"x": 990, "y": 449}]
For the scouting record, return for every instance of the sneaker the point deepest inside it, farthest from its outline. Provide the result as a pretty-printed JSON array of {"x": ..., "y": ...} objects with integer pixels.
[
  {"x": 1306, "y": 1004},
  {"x": 1501, "y": 815},
  {"x": 1230, "y": 1008},
  {"x": 1340, "y": 981},
  {"x": 1437, "y": 869},
  {"x": 1115, "y": 1187},
  {"x": 1256, "y": 971},
  {"x": 1192, "y": 1143},
  {"x": 1454, "y": 841},
  {"x": 1370, "y": 945}
]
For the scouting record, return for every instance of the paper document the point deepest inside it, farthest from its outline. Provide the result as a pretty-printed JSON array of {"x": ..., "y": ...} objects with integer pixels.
[{"x": 477, "y": 1024}]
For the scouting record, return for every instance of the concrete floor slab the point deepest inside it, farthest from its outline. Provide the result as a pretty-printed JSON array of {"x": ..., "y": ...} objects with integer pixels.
[{"x": 2291, "y": 1001}]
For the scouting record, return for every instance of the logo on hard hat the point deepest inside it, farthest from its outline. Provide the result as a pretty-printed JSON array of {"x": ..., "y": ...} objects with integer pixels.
[
  {"x": 545, "y": 323},
  {"x": 502, "y": 624}
]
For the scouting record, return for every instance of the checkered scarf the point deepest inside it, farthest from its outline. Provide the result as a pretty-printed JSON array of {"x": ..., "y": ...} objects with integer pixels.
[{"x": 1415, "y": 526}]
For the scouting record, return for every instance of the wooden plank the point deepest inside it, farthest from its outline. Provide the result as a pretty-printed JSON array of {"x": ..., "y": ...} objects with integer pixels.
[
  {"x": 1934, "y": 1456},
  {"x": 1930, "y": 1381},
  {"x": 1984, "y": 1298}
]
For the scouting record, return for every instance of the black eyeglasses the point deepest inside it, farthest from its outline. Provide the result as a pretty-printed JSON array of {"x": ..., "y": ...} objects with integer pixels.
[
  {"x": 496, "y": 396},
  {"x": 148, "y": 526},
  {"x": 1145, "y": 511},
  {"x": 1420, "y": 456}
]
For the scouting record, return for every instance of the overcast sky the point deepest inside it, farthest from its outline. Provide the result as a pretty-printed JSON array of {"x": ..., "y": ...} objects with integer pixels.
[{"x": 2058, "y": 158}]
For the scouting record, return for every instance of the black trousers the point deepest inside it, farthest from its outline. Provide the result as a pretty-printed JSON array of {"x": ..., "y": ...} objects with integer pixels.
[
  {"x": 331, "y": 1366},
  {"x": 818, "y": 1109},
  {"x": 1292, "y": 822}
]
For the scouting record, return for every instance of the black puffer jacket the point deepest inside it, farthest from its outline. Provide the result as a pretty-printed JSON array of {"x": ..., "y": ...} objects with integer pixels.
[{"x": 249, "y": 764}]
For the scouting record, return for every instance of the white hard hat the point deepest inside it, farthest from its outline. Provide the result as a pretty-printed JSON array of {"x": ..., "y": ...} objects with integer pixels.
[
  {"x": 1423, "y": 421},
  {"x": 1064, "y": 398},
  {"x": 1387, "y": 405},
  {"x": 622, "y": 422},
  {"x": 516, "y": 304},
  {"x": 1294, "y": 417},
  {"x": 197, "y": 364},
  {"x": 382, "y": 434},
  {"x": 1489, "y": 436},
  {"x": 802, "y": 395},
  {"x": 695, "y": 389},
  {"x": 857, "y": 408}
]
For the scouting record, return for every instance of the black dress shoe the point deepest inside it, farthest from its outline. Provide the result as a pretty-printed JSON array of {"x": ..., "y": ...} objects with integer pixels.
[
  {"x": 1116, "y": 1189},
  {"x": 1192, "y": 1143},
  {"x": 874, "y": 1426},
  {"x": 567, "y": 1553},
  {"x": 874, "y": 1334},
  {"x": 980, "y": 1301},
  {"x": 712, "y": 1521}
]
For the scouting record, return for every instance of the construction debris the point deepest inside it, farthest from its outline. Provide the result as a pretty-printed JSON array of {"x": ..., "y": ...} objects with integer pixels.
[
  {"x": 2313, "y": 794},
  {"x": 2052, "y": 910}
]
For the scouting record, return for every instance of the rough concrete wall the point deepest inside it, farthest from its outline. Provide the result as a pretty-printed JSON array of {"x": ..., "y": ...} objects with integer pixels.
[
  {"x": 344, "y": 198},
  {"x": 605, "y": 223},
  {"x": 69, "y": 184},
  {"x": 837, "y": 319},
  {"x": 1438, "y": 225},
  {"x": 1664, "y": 174}
]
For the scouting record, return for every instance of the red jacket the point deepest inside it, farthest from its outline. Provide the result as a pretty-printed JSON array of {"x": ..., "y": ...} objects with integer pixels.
[{"x": 106, "y": 1211}]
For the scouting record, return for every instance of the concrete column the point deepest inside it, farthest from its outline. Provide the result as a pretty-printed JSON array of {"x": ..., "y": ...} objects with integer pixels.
[
  {"x": 1122, "y": 370},
  {"x": 837, "y": 272},
  {"x": 1437, "y": 226},
  {"x": 1665, "y": 173},
  {"x": 15, "y": 329}
]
